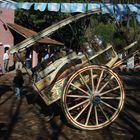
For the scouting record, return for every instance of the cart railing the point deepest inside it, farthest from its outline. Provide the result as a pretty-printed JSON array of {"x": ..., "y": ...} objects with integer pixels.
[{"x": 125, "y": 49}]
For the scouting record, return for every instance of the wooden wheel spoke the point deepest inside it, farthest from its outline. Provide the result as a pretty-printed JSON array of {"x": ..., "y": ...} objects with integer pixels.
[
  {"x": 92, "y": 80},
  {"x": 106, "y": 84},
  {"x": 85, "y": 82},
  {"x": 108, "y": 91},
  {"x": 96, "y": 115},
  {"x": 80, "y": 89},
  {"x": 89, "y": 113},
  {"x": 73, "y": 107},
  {"x": 99, "y": 81},
  {"x": 77, "y": 96},
  {"x": 112, "y": 98},
  {"x": 82, "y": 111},
  {"x": 103, "y": 112},
  {"x": 109, "y": 105}
]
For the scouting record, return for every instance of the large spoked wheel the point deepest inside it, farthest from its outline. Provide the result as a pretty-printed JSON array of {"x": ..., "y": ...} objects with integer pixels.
[{"x": 93, "y": 97}]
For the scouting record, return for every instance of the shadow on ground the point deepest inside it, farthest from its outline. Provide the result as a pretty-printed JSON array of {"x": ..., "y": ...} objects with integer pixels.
[{"x": 28, "y": 121}]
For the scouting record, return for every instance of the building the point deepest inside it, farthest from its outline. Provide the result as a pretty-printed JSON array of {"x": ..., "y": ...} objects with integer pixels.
[
  {"x": 20, "y": 33},
  {"x": 6, "y": 38},
  {"x": 9, "y": 39}
]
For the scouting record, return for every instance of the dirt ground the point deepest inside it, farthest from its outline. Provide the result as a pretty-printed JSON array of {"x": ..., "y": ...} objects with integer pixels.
[{"x": 22, "y": 120}]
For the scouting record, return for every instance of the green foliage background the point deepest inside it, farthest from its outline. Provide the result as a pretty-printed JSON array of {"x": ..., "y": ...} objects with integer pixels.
[{"x": 80, "y": 31}]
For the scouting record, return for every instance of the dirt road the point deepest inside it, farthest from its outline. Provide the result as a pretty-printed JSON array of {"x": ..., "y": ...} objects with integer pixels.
[{"x": 21, "y": 120}]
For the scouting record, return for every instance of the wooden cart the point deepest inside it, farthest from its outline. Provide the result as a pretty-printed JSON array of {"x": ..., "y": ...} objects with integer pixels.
[{"x": 90, "y": 92}]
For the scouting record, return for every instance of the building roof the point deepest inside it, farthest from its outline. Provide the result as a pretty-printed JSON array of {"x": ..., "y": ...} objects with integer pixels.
[{"x": 25, "y": 32}]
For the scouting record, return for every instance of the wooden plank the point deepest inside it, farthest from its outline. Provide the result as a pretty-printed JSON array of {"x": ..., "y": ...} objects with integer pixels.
[
  {"x": 100, "y": 52},
  {"x": 131, "y": 45}
]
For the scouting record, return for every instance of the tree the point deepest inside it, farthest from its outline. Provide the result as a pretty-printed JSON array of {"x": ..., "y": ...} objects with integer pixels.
[
  {"x": 76, "y": 33},
  {"x": 38, "y": 20}
]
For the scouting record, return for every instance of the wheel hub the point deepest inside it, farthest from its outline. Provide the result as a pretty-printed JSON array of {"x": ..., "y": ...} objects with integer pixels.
[{"x": 95, "y": 99}]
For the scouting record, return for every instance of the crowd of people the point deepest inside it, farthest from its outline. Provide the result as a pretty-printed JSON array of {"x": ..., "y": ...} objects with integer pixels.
[
  {"x": 24, "y": 58},
  {"x": 19, "y": 59}
]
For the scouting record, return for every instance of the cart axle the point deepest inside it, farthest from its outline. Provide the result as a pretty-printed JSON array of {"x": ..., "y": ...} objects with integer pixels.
[{"x": 95, "y": 100}]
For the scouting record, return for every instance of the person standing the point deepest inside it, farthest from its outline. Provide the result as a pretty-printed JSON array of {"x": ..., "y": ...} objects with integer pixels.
[
  {"x": 46, "y": 55},
  {"x": 6, "y": 61},
  {"x": 18, "y": 61},
  {"x": 18, "y": 83}
]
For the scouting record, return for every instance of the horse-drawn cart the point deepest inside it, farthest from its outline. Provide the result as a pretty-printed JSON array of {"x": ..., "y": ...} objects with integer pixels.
[{"x": 90, "y": 92}]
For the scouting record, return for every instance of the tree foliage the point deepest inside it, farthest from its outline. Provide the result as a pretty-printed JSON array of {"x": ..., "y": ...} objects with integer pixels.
[
  {"x": 75, "y": 34},
  {"x": 37, "y": 20}
]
